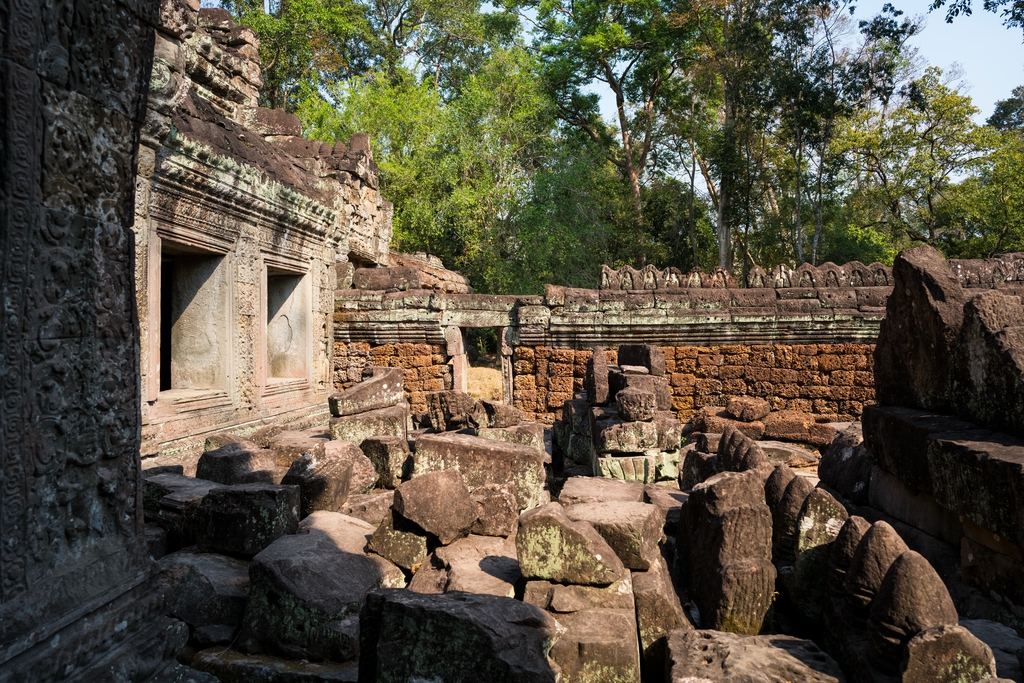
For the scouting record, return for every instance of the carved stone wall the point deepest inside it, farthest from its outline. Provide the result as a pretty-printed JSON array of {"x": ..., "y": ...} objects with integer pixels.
[
  {"x": 224, "y": 180},
  {"x": 73, "y": 77}
]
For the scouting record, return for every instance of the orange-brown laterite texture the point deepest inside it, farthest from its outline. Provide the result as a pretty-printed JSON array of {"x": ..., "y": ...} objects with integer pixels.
[
  {"x": 424, "y": 365},
  {"x": 834, "y": 381}
]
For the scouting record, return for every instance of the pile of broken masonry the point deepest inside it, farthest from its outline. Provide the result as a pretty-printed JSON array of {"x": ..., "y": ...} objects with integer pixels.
[{"x": 378, "y": 552}]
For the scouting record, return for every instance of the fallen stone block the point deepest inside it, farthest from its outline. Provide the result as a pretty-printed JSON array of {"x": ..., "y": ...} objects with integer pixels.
[
  {"x": 670, "y": 430},
  {"x": 599, "y": 490},
  {"x": 246, "y": 518},
  {"x": 659, "y": 386},
  {"x": 598, "y": 645},
  {"x": 384, "y": 389},
  {"x": 450, "y": 410},
  {"x": 669, "y": 499},
  {"x": 633, "y": 530},
  {"x": 715, "y": 657},
  {"x": 561, "y": 598},
  {"x": 645, "y": 355},
  {"x": 696, "y": 467},
  {"x": 946, "y": 653},
  {"x": 369, "y": 507},
  {"x": 635, "y": 405},
  {"x": 323, "y": 481},
  {"x": 456, "y": 637},
  {"x": 307, "y": 590},
  {"x": 482, "y": 462},
  {"x": 387, "y": 278},
  {"x": 644, "y": 468},
  {"x": 793, "y": 455},
  {"x": 1004, "y": 643},
  {"x": 595, "y": 379},
  {"x": 581, "y": 450},
  {"x": 737, "y": 452},
  {"x": 705, "y": 442},
  {"x": 399, "y": 541},
  {"x": 206, "y": 591},
  {"x": 484, "y": 565},
  {"x": 496, "y": 511},
  {"x": 714, "y": 420},
  {"x": 658, "y": 612},
  {"x": 231, "y": 666},
  {"x": 357, "y": 428},
  {"x": 439, "y": 503},
  {"x": 237, "y": 462},
  {"x": 391, "y": 459},
  {"x": 527, "y": 434},
  {"x": 845, "y": 466},
  {"x": 364, "y": 474},
  {"x": 552, "y": 547},
  {"x": 792, "y": 425},
  {"x": 496, "y": 415},
  {"x": 576, "y": 414},
  {"x": 616, "y": 436},
  {"x": 748, "y": 408},
  {"x": 291, "y": 445}
]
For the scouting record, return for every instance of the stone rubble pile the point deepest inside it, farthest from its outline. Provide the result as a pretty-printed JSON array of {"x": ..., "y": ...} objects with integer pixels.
[{"x": 452, "y": 554}]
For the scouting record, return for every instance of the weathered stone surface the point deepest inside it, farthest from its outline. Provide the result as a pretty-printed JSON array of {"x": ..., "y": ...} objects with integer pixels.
[
  {"x": 246, "y": 518},
  {"x": 527, "y": 434},
  {"x": 971, "y": 471},
  {"x": 775, "y": 486},
  {"x": 238, "y": 462},
  {"x": 841, "y": 555},
  {"x": 378, "y": 279},
  {"x": 946, "y": 654},
  {"x": 230, "y": 666},
  {"x": 784, "y": 518},
  {"x": 484, "y": 461},
  {"x": 1004, "y": 643},
  {"x": 636, "y": 405},
  {"x": 696, "y": 467},
  {"x": 845, "y": 466},
  {"x": 552, "y": 547},
  {"x": 384, "y": 389},
  {"x": 399, "y": 541},
  {"x": 698, "y": 656},
  {"x": 595, "y": 381},
  {"x": 988, "y": 377},
  {"x": 875, "y": 553},
  {"x": 737, "y": 452},
  {"x": 496, "y": 511},
  {"x": 576, "y": 414},
  {"x": 307, "y": 590},
  {"x": 633, "y": 530},
  {"x": 670, "y": 430},
  {"x": 911, "y": 599},
  {"x": 817, "y": 526},
  {"x": 289, "y": 446},
  {"x": 792, "y": 425},
  {"x": 792, "y": 454},
  {"x": 598, "y": 645},
  {"x": 714, "y": 420},
  {"x": 563, "y": 599},
  {"x": 439, "y": 503},
  {"x": 496, "y": 415},
  {"x": 364, "y": 474},
  {"x": 391, "y": 459},
  {"x": 616, "y": 436},
  {"x": 651, "y": 466},
  {"x": 599, "y": 490},
  {"x": 658, "y": 612},
  {"x": 659, "y": 386},
  {"x": 206, "y": 591},
  {"x": 581, "y": 450},
  {"x": 888, "y": 494},
  {"x": 456, "y": 637},
  {"x": 369, "y": 507},
  {"x": 646, "y": 355},
  {"x": 384, "y": 422},
  {"x": 450, "y": 410},
  {"x": 923, "y": 317},
  {"x": 748, "y": 408},
  {"x": 323, "y": 481},
  {"x": 484, "y": 565},
  {"x": 669, "y": 500},
  {"x": 725, "y": 535}
]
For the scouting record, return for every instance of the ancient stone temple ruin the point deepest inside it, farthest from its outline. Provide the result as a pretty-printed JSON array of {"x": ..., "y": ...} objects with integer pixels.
[{"x": 238, "y": 441}]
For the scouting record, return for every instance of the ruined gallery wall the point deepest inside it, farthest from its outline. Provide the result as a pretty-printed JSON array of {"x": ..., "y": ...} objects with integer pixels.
[
  {"x": 72, "y": 552},
  {"x": 239, "y": 223},
  {"x": 803, "y": 338}
]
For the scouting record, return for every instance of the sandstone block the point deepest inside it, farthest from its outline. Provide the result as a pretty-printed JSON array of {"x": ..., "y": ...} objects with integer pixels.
[
  {"x": 527, "y": 434},
  {"x": 792, "y": 425},
  {"x": 456, "y": 637},
  {"x": 659, "y": 386},
  {"x": 875, "y": 553},
  {"x": 391, "y": 458},
  {"x": 697, "y": 656},
  {"x": 747, "y": 408},
  {"x": 369, "y": 507},
  {"x": 595, "y": 381},
  {"x": 383, "y": 389},
  {"x": 946, "y": 653},
  {"x": 561, "y": 598},
  {"x": 384, "y": 422},
  {"x": 450, "y": 410},
  {"x": 496, "y": 415},
  {"x": 364, "y": 474},
  {"x": 616, "y": 436},
  {"x": 378, "y": 279},
  {"x": 633, "y": 530},
  {"x": 645, "y": 355},
  {"x": 323, "y": 481},
  {"x": 399, "y": 541},
  {"x": 635, "y": 405},
  {"x": 485, "y": 565},
  {"x": 669, "y": 499},
  {"x": 238, "y": 462},
  {"x": 599, "y": 490},
  {"x": 231, "y": 666},
  {"x": 496, "y": 511},
  {"x": 439, "y": 503},
  {"x": 246, "y": 518},
  {"x": 598, "y": 645},
  {"x": 289, "y": 446},
  {"x": 658, "y": 612},
  {"x": 670, "y": 430},
  {"x": 737, "y": 452},
  {"x": 206, "y": 591},
  {"x": 552, "y": 547},
  {"x": 714, "y": 420},
  {"x": 484, "y": 461}
]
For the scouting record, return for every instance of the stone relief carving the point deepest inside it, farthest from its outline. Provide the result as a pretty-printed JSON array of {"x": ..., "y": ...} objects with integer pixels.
[{"x": 853, "y": 274}]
